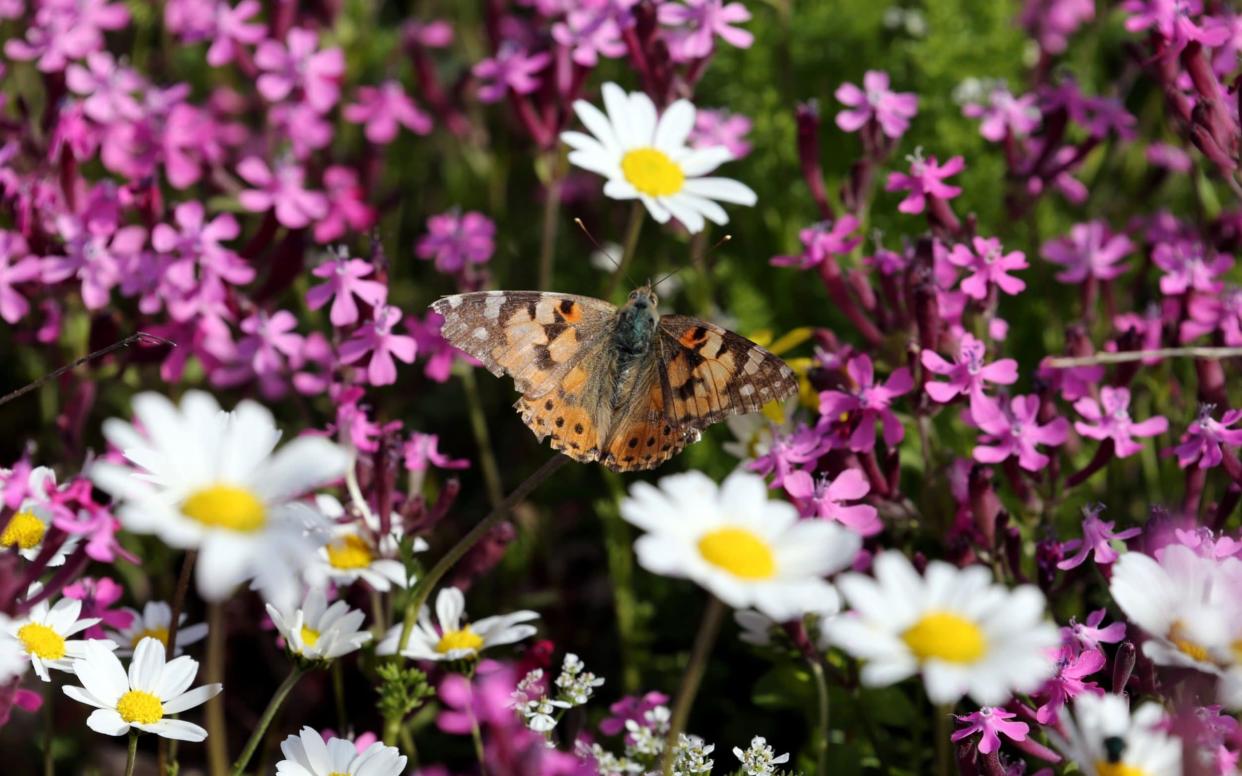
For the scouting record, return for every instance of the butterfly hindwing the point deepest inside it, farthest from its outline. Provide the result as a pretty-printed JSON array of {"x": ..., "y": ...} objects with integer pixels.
[{"x": 644, "y": 436}]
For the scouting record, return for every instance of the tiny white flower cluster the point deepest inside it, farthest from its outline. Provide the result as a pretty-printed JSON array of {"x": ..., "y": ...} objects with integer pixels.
[
  {"x": 646, "y": 739},
  {"x": 760, "y": 759},
  {"x": 575, "y": 686},
  {"x": 692, "y": 756}
]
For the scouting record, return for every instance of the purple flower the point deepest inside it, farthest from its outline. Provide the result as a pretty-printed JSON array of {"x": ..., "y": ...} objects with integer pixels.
[
  {"x": 109, "y": 88},
  {"x": 345, "y": 281},
  {"x": 66, "y": 31},
  {"x": 1171, "y": 19},
  {"x": 455, "y": 239},
  {"x": 789, "y": 451},
  {"x": 16, "y": 266},
  {"x": 968, "y": 373},
  {"x": 511, "y": 68},
  {"x": 422, "y": 451},
  {"x": 379, "y": 339},
  {"x": 438, "y": 353},
  {"x": 94, "y": 258},
  {"x": 195, "y": 242},
  {"x": 1014, "y": 430},
  {"x": 1189, "y": 264},
  {"x": 347, "y": 206},
  {"x": 1090, "y": 251},
  {"x": 298, "y": 64},
  {"x": 1203, "y": 438},
  {"x": 1069, "y": 681},
  {"x": 385, "y": 107},
  {"x": 630, "y": 708},
  {"x": 97, "y": 597},
  {"x": 590, "y": 33},
  {"x": 1096, "y": 535},
  {"x": 1051, "y": 22},
  {"x": 825, "y": 498},
  {"x": 1089, "y": 635},
  {"x": 233, "y": 30},
  {"x": 282, "y": 190},
  {"x": 696, "y": 23},
  {"x": 875, "y": 101},
  {"x": 868, "y": 403},
  {"x": 989, "y": 265},
  {"x": 821, "y": 240},
  {"x": 262, "y": 353},
  {"x": 305, "y": 128},
  {"x": 925, "y": 180},
  {"x": 1004, "y": 115},
  {"x": 992, "y": 723},
  {"x": 1169, "y": 157},
  {"x": 720, "y": 128},
  {"x": 1110, "y": 419}
]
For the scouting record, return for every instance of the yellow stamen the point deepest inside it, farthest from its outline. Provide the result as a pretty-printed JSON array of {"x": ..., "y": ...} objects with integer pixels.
[
  {"x": 24, "y": 531},
  {"x": 350, "y": 552},
  {"x": 1192, "y": 649},
  {"x": 460, "y": 639},
  {"x": 226, "y": 506},
  {"x": 310, "y": 637},
  {"x": 140, "y": 707},
  {"x": 651, "y": 172},
  {"x": 945, "y": 636},
  {"x": 1104, "y": 768},
  {"x": 159, "y": 634},
  {"x": 41, "y": 641},
  {"x": 738, "y": 551}
]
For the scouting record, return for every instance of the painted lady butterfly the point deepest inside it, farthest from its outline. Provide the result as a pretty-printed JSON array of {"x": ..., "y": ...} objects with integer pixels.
[{"x": 624, "y": 386}]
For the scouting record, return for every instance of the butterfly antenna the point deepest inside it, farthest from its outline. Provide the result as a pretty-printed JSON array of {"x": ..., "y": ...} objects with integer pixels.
[
  {"x": 598, "y": 247},
  {"x": 707, "y": 253}
]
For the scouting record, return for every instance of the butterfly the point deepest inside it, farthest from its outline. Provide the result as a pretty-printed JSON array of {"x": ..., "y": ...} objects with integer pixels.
[{"x": 624, "y": 386}]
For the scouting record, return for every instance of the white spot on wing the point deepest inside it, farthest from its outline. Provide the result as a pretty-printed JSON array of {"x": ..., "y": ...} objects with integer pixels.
[
  {"x": 454, "y": 301},
  {"x": 746, "y": 390},
  {"x": 491, "y": 309},
  {"x": 480, "y": 333}
]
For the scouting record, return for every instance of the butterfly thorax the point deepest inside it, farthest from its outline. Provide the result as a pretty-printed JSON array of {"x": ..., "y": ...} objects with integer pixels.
[{"x": 632, "y": 338}]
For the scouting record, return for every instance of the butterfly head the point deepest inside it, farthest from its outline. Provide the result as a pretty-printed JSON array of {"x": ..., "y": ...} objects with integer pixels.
[{"x": 638, "y": 318}]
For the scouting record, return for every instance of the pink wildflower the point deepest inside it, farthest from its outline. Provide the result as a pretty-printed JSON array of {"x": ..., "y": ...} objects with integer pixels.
[
  {"x": 992, "y": 723},
  {"x": 457, "y": 239},
  {"x": 347, "y": 205},
  {"x": 790, "y": 450},
  {"x": 1014, "y": 430},
  {"x": 345, "y": 281},
  {"x": 379, "y": 339},
  {"x": 868, "y": 403},
  {"x": 876, "y": 102},
  {"x": 924, "y": 180},
  {"x": 1069, "y": 681},
  {"x": 696, "y": 23},
  {"x": 720, "y": 128},
  {"x": 1203, "y": 438},
  {"x": 299, "y": 64},
  {"x": 385, "y": 107},
  {"x": 1189, "y": 265},
  {"x": 235, "y": 27},
  {"x": 1003, "y": 114},
  {"x": 1089, "y": 635},
  {"x": 989, "y": 266},
  {"x": 422, "y": 451},
  {"x": 968, "y": 374},
  {"x": 1090, "y": 251},
  {"x": 825, "y": 499},
  {"x": 511, "y": 68},
  {"x": 821, "y": 240},
  {"x": 1096, "y": 537},
  {"x": 1110, "y": 419},
  {"x": 282, "y": 190},
  {"x": 16, "y": 266}
]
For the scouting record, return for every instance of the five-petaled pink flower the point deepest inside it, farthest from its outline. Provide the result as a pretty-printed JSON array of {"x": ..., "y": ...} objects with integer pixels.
[
  {"x": 989, "y": 265},
  {"x": 16, "y": 266},
  {"x": 1073, "y": 668},
  {"x": 590, "y": 33},
  {"x": 1089, "y": 251},
  {"x": 720, "y": 128},
  {"x": 1203, "y": 438},
  {"x": 825, "y": 498},
  {"x": 383, "y": 109},
  {"x": 1004, "y": 115},
  {"x": 235, "y": 28},
  {"x": 992, "y": 723},
  {"x": 379, "y": 339},
  {"x": 347, "y": 205},
  {"x": 924, "y": 180},
  {"x": 345, "y": 278},
  {"x": 108, "y": 88},
  {"x": 1190, "y": 265},
  {"x": 299, "y": 64},
  {"x": 790, "y": 450},
  {"x": 1014, "y": 430},
  {"x": 1109, "y": 418},
  {"x": 968, "y": 373},
  {"x": 821, "y": 240},
  {"x": 1089, "y": 635},
  {"x": 511, "y": 68},
  {"x": 282, "y": 190},
  {"x": 868, "y": 404},
  {"x": 455, "y": 239},
  {"x": 696, "y": 23},
  {"x": 875, "y": 101},
  {"x": 1096, "y": 537}
]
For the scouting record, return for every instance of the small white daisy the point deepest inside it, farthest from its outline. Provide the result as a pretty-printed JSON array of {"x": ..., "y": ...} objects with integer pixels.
[
  {"x": 746, "y": 549},
  {"x": 213, "y": 480},
  {"x": 316, "y": 631},
  {"x": 1104, "y": 739},
  {"x": 13, "y": 660},
  {"x": 154, "y": 622},
  {"x": 143, "y": 698},
  {"x": 645, "y": 157},
  {"x": 28, "y": 526},
  {"x": 966, "y": 635},
  {"x": 44, "y": 635},
  {"x": 352, "y": 555},
  {"x": 449, "y": 638},
  {"x": 306, "y": 754}
]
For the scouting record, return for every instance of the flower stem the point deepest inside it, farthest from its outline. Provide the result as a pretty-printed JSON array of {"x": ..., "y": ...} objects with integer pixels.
[
  {"x": 478, "y": 425},
  {"x": 278, "y": 698},
  {"x": 174, "y": 623},
  {"x": 477, "y": 736},
  {"x": 632, "y": 230},
  {"x": 944, "y": 762},
  {"x": 821, "y": 740},
  {"x": 704, "y": 640},
  {"x": 338, "y": 692},
  {"x": 217, "y": 729},
  {"x": 131, "y": 754},
  {"x": 49, "y": 731},
  {"x": 551, "y": 205}
]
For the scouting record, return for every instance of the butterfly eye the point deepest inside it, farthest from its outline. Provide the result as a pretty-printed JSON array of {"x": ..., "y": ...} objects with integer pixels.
[{"x": 655, "y": 300}]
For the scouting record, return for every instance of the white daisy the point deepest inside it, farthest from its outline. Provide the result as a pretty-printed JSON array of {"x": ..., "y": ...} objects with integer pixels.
[
  {"x": 1104, "y": 739},
  {"x": 306, "y": 754},
  {"x": 449, "y": 638},
  {"x": 352, "y": 554},
  {"x": 758, "y": 629},
  {"x": 208, "y": 479},
  {"x": 316, "y": 631},
  {"x": 746, "y": 549},
  {"x": 645, "y": 157},
  {"x": 44, "y": 635},
  {"x": 28, "y": 526},
  {"x": 154, "y": 622},
  {"x": 13, "y": 660},
  {"x": 145, "y": 697},
  {"x": 965, "y": 634}
]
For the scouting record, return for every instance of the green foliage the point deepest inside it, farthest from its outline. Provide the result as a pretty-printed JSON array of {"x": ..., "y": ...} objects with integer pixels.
[{"x": 402, "y": 690}]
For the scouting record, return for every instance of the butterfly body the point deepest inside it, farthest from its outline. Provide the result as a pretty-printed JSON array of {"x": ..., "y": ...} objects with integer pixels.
[{"x": 624, "y": 386}]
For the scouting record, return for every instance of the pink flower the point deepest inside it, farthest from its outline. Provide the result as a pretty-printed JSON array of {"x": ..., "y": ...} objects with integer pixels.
[
  {"x": 385, "y": 107},
  {"x": 1096, "y": 535},
  {"x": 1089, "y": 635},
  {"x": 345, "y": 281},
  {"x": 696, "y": 23},
  {"x": 262, "y": 354},
  {"x": 1110, "y": 419},
  {"x": 630, "y": 707},
  {"x": 97, "y": 595},
  {"x": 1069, "y": 681},
  {"x": 1051, "y": 22},
  {"x": 1203, "y": 438},
  {"x": 347, "y": 206},
  {"x": 989, "y": 265},
  {"x": 66, "y": 31},
  {"x": 282, "y": 190},
  {"x": 435, "y": 349},
  {"x": 93, "y": 258},
  {"x": 968, "y": 373},
  {"x": 109, "y": 88},
  {"x": 434, "y": 33},
  {"x": 789, "y": 451},
  {"x": 1171, "y": 19},
  {"x": 868, "y": 403},
  {"x": 1220, "y": 312},
  {"x": 1169, "y": 157},
  {"x": 1090, "y": 251},
  {"x": 456, "y": 239},
  {"x": 233, "y": 30},
  {"x": 16, "y": 266},
  {"x": 821, "y": 240},
  {"x": 1189, "y": 265},
  {"x": 925, "y": 180},
  {"x": 298, "y": 64},
  {"x": 825, "y": 498},
  {"x": 196, "y": 244},
  {"x": 422, "y": 451},
  {"x": 1014, "y": 430},
  {"x": 992, "y": 723},
  {"x": 511, "y": 68},
  {"x": 590, "y": 33},
  {"x": 305, "y": 128},
  {"x": 1004, "y": 115},
  {"x": 378, "y": 339},
  {"x": 875, "y": 101},
  {"x": 720, "y": 128}
]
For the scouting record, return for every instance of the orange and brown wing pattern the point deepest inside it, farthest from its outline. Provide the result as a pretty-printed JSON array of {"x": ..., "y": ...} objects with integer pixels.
[
  {"x": 711, "y": 373},
  {"x": 644, "y": 436},
  {"x": 570, "y": 415}
]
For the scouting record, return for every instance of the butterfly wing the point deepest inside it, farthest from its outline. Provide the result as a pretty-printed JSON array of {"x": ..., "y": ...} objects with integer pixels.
[{"x": 644, "y": 434}]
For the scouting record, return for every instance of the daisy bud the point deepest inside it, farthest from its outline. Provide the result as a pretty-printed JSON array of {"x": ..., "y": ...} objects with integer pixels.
[{"x": 1123, "y": 666}]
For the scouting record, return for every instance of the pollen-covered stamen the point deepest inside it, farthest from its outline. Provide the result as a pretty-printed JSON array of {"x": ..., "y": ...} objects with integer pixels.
[
  {"x": 140, "y": 707},
  {"x": 226, "y": 506},
  {"x": 652, "y": 172},
  {"x": 738, "y": 551},
  {"x": 24, "y": 531},
  {"x": 946, "y": 636},
  {"x": 159, "y": 634},
  {"x": 41, "y": 641},
  {"x": 350, "y": 552},
  {"x": 310, "y": 636},
  {"x": 462, "y": 638}
]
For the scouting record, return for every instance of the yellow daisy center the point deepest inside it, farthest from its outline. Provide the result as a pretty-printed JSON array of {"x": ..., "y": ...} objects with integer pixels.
[
  {"x": 310, "y": 636},
  {"x": 1192, "y": 649},
  {"x": 738, "y": 551},
  {"x": 159, "y": 634},
  {"x": 350, "y": 552},
  {"x": 41, "y": 641},
  {"x": 140, "y": 707},
  {"x": 651, "y": 172},
  {"x": 24, "y": 531},
  {"x": 463, "y": 638},
  {"x": 1104, "y": 768},
  {"x": 945, "y": 636},
  {"x": 226, "y": 506}
]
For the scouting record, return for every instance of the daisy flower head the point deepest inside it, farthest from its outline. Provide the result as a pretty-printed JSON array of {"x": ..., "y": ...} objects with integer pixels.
[
  {"x": 307, "y": 754},
  {"x": 744, "y": 548},
  {"x": 145, "y": 697},
  {"x": 213, "y": 480},
  {"x": 154, "y": 622},
  {"x": 646, "y": 156},
  {"x": 352, "y": 555},
  {"x": 1105, "y": 739},
  {"x": 965, "y": 634},
  {"x": 45, "y": 634},
  {"x": 449, "y": 638},
  {"x": 28, "y": 527},
  {"x": 316, "y": 631}
]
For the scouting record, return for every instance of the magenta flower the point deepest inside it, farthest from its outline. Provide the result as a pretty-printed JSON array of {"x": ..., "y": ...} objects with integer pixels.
[
  {"x": 630, "y": 707},
  {"x": 347, "y": 206},
  {"x": 1203, "y": 438},
  {"x": 875, "y": 101},
  {"x": 988, "y": 265},
  {"x": 282, "y": 190},
  {"x": 97, "y": 597},
  {"x": 1052, "y": 22},
  {"x": 422, "y": 451},
  {"x": 195, "y": 242},
  {"x": 868, "y": 404},
  {"x": 1173, "y": 21},
  {"x": 968, "y": 373},
  {"x": 435, "y": 349},
  {"x": 1090, "y": 251},
  {"x": 263, "y": 352},
  {"x": 1014, "y": 430},
  {"x": 511, "y": 68},
  {"x": 108, "y": 88},
  {"x": 820, "y": 241},
  {"x": 825, "y": 499},
  {"x": 100, "y": 528},
  {"x": 345, "y": 281},
  {"x": 925, "y": 180},
  {"x": 1189, "y": 265},
  {"x": 1221, "y": 312},
  {"x": 1096, "y": 535},
  {"x": 1110, "y": 419},
  {"x": 992, "y": 723},
  {"x": 1169, "y": 157},
  {"x": 590, "y": 33},
  {"x": 16, "y": 266},
  {"x": 789, "y": 451},
  {"x": 720, "y": 128},
  {"x": 696, "y": 23},
  {"x": 299, "y": 64},
  {"x": 455, "y": 239},
  {"x": 383, "y": 109},
  {"x": 434, "y": 33},
  {"x": 379, "y": 339},
  {"x": 1003, "y": 114},
  {"x": 1069, "y": 681},
  {"x": 95, "y": 259},
  {"x": 234, "y": 29},
  {"x": 66, "y": 31},
  {"x": 305, "y": 128},
  {"x": 1089, "y": 635}
]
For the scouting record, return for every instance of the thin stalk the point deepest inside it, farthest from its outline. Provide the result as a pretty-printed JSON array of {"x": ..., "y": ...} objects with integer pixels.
[
  {"x": 256, "y": 737},
  {"x": 704, "y": 640},
  {"x": 477, "y": 736},
  {"x": 49, "y": 731},
  {"x": 178, "y": 604},
  {"x": 217, "y": 729},
  {"x": 131, "y": 753},
  {"x": 632, "y": 230},
  {"x": 551, "y": 206},
  {"x": 338, "y": 691},
  {"x": 478, "y": 425},
  {"x": 821, "y": 692},
  {"x": 944, "y": 753}
]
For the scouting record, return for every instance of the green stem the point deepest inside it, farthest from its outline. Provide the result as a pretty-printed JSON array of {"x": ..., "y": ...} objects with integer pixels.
[
  {"x": 49, "y": 731},
  {"x": 632, "y": 230},
  {"x": 131, "y": 753},
  {"x": 477, "y": 736},
  {"x": 704, "y": 640},
  {"x": 282, "y": 692},
  {"x": 551, "y": 206},
  {"x": 618, "y": 544},
  {"x": 478, "y": 424},
  {"x": 217, "y": 728},
  {"x": 944, "y": 753},
  {"x": 165, "y": 751},
  {"x": 821, "y": 741},
  {"x": 338, "y": 690}
]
